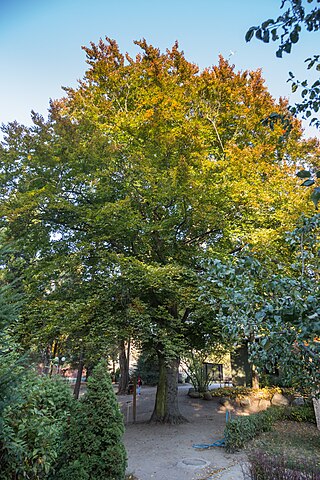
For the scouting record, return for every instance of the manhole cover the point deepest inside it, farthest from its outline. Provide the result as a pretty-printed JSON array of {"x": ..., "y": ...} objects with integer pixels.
[{"x": 193, "y": 463}]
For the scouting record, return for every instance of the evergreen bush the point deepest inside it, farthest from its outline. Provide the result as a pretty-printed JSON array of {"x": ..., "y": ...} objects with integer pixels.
[
  {"x": 32, "y": 419},
  {"x": 239, "y": 431},
  {"x": 93, "y": 447}
]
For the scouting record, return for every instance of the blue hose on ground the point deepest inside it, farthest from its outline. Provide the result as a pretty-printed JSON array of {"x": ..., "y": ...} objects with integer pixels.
[{"x": 218, "y": 443}]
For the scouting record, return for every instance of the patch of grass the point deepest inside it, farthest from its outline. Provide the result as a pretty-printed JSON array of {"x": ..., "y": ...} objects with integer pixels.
[
  {"x": 298, "y": 443},
  {"x": 263, "y": 466}
]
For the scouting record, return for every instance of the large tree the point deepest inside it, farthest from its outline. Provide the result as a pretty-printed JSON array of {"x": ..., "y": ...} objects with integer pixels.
[{"x": 144, "y": 169}]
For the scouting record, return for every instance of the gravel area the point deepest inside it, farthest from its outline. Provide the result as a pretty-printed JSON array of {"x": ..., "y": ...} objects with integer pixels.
[{"x": 165, "y": 452}]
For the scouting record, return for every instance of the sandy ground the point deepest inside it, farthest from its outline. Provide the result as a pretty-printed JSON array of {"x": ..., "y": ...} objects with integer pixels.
[{"x": 165, "y": 452}]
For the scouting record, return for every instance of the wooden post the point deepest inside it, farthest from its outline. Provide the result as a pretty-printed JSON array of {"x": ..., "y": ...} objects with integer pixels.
[
  {"x": 316, "y": 406},
  {"x": 55, "y": 349},
  {"x": 134, "y": 400}
]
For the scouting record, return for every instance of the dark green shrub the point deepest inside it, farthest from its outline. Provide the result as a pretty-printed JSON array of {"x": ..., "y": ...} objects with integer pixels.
[
  {"x": 239, "y": 431},
  {"x": 303, "y": 413},
  {"x": 33, "y": 418},
  {"x": 93, "y": 447}
]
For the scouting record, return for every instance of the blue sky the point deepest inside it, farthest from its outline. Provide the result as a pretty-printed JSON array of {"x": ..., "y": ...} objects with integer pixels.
[{"x": 40, "y": 42}]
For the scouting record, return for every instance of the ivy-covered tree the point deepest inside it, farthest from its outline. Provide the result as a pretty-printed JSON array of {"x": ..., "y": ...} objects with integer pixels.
[{"x": 141, "y": 172}]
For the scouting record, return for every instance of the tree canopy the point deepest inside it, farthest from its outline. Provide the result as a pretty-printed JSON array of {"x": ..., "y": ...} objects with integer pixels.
[{"x": 142, "y": 171}]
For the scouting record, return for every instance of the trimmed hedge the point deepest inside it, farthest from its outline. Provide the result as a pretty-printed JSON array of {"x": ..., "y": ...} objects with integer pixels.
[{"x": 239, "y": 431}]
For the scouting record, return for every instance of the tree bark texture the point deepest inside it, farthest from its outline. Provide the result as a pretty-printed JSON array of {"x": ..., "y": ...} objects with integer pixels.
[
  {"x": 255, "y": 377},
  {"x": 166, "y": 409},
  {"x": 124, "y": 368},
  {"x": 77, "y": 386},
  {"x": 54, "y": 353},
  {"x": 47, "y": 360}
]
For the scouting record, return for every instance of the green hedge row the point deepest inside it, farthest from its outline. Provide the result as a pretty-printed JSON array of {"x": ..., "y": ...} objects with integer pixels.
[{"x": 239, "y": 431}]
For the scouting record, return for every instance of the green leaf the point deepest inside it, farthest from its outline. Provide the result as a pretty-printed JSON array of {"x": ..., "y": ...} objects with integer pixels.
[
  {"x": 307, "y": 183},
  {"x": 318, "y": 174},
  {"x": 287, "y": 47},
  {"x": 259, "y": 34},
  {"x": 294, "y": 36},
  {"x": 304, "y": 174},
  {"x": 315, "y": 197},
  {"x": 266, "y": 24},
  {"x": 266, "y": 36},
  {"x": 250, "y": 33}
]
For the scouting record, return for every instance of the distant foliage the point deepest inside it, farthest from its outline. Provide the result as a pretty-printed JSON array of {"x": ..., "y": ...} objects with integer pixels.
[
  {"x": 148, "y": 368},
  {"x": 93, "y": 447}
]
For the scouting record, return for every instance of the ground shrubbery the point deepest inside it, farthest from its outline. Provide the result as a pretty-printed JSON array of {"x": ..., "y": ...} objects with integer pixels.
[
  {"x": 46, "y": 435},
  {"x": 263, "y": 466},
  {"x": 33, "y": 415},
  {"x": 240, "y": 430}
]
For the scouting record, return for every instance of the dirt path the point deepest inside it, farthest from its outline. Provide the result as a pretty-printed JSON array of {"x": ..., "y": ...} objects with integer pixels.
[{"x": 165, "y": 452}]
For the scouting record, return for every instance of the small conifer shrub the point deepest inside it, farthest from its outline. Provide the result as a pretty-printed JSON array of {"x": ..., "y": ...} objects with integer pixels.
[{"x": 93, "y": 447}]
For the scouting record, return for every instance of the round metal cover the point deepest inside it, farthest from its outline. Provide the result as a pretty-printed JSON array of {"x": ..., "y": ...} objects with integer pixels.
[{"x": 193, "y": 463}]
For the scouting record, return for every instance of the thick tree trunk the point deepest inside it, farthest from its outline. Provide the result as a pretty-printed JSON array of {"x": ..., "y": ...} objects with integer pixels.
[
  {"x": 76, "y": 391},
  {"x": 124, "y": 368},
  {"x": 255, "y": 377},
  {"x": 46, "y": 360},
  {"x": 54, "y": 353},
  {"x": 166, "y": 409}
]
